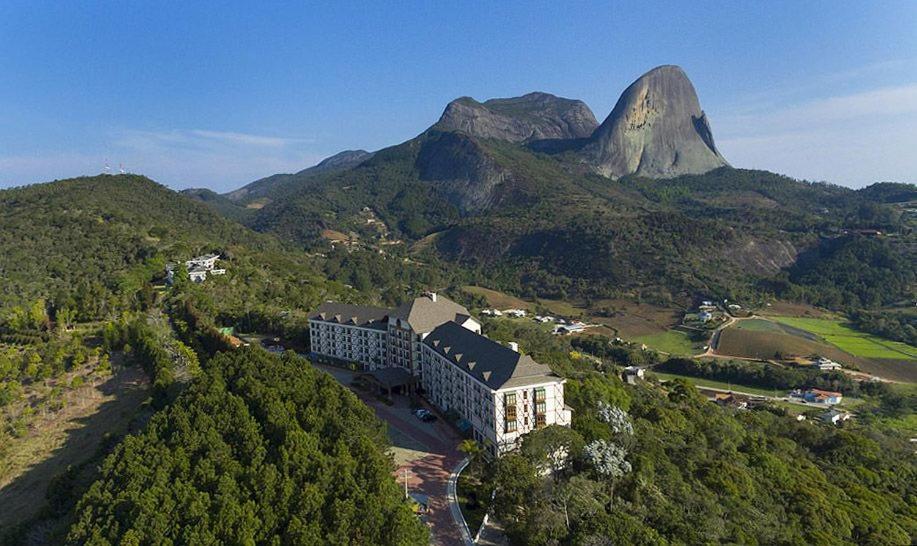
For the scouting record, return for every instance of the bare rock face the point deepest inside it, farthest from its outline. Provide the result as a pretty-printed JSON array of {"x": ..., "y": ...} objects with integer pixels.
[
  {"x": 461, "y": 170},
  {"x": 656, "y": 129},
  {"x": 536, "y": 116}
]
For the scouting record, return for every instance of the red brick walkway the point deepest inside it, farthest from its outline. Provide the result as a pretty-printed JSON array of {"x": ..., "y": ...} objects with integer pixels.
[{"x": 429, "y": 473}]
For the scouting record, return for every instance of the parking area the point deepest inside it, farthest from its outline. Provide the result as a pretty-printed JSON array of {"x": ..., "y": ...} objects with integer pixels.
[{"x": 424, "y": 452}]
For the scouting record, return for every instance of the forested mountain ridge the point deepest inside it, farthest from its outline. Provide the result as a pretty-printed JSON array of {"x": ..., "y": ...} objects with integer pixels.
[
  {"x": 274, "y": 187},
  {"x": 90, "y": 245},
  {"x": 88, "y": 231},
  {"x": 537, "y": 224}
]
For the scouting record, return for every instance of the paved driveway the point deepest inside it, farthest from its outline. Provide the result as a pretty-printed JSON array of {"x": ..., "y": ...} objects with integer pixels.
[{"x": 426, "y": 452}]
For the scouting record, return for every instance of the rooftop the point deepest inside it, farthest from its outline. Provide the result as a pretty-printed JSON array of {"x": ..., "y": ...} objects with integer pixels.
[
  {"x": 429, "y": 311},
  {"x": 491, "y": 363},
  {"x": 353, "y": 315}
]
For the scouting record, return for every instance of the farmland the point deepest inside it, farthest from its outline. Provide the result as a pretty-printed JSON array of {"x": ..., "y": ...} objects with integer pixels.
[
  {"x": 852, "y": 341},
  {"x": 769, "y": 338},
  {"x": 67, "y": 438}
]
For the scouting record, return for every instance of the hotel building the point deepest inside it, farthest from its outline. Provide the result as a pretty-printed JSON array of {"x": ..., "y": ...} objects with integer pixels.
[{"x": 436, "y": 343}]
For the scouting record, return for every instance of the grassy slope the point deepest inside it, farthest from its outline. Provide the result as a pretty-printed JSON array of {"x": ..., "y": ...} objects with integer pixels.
[
  {"x": 66, "y": 438},
  {"x": 674, "y": 342},
  {"x": 496, "y": 299},
  {"x": 700, "y": 382}
]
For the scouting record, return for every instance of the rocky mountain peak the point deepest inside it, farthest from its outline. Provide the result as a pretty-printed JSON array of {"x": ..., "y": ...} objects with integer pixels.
[
  {"x": 535, "y": 116},
  {"x": 657, "y": 129},
  {"x": 341, "y": 160}
]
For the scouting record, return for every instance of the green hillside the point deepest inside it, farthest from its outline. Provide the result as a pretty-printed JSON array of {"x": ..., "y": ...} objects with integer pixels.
[
  {"x": 535, "y": 224},
  {"x": 89, "y": 233}
]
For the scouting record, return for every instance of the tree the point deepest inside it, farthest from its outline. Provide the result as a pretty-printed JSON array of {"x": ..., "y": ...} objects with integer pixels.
[
  {"x": 578, "y": 499},
  {"x": 65, "y": 317},
  {"x": 608, "y": 460},
  {"x": 470, "y": 448},
  {"x": 38, "y": 315},
  {"x": 552, "y": 448}
]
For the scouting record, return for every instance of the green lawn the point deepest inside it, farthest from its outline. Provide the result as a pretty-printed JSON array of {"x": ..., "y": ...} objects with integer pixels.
[
  {"x": 471, "y": 496},
  {"x": 674, "y": 342},
  {"x": 857, "y": 343}
]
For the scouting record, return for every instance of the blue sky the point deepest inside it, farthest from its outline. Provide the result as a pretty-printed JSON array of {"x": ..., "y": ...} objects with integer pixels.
[{"x": 217, "y": 95}]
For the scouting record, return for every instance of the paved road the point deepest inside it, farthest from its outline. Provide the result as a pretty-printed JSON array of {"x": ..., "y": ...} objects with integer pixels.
[{"x": 433, "y": 446}]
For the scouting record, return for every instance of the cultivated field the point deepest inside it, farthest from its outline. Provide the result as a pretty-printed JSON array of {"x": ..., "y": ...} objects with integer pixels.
[
  {"x": 765, "y": 345},
  {"x": 788, "y": 309},
  {"x": 805, "y": 337},
  {"x": 852, "y": 341}
]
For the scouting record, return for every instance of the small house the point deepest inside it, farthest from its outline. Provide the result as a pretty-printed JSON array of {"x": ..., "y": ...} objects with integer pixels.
[
  {"x": 826, "y": 365},
  {"x": 835, "y": 417},
  {"x": 633, "y": 374},
  {"x": 198, "y": 274},
  {"x": 819, "y": 396},
  {"x": 730, "y": 400}
]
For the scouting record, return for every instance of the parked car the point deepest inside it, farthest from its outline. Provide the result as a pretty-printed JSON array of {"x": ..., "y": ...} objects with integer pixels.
[
  {"x": 428, "y": 417},
  {"x": 421, "y": 413}
]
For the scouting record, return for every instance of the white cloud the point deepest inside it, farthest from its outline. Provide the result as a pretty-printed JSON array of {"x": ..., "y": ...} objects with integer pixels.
[
  {"x": 852, "y": 139},
  {"x": 179, "y": 158}
]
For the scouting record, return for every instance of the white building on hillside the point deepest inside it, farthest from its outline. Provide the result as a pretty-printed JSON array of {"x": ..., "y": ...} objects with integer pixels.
[
  {"x": 827, "y": 365},
  {"x": 198, "y": 268},
  {"x": 207, "y": 261},
  {"x": 435, "y": 341},
  {"x": 502, "y": 393}
]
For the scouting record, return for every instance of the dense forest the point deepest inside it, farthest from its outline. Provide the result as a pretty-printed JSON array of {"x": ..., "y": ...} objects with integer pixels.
[
  {"x": 660, "y": 464},
  {"x": 260, "y": 450},
  {"x": 654, "y": 466},
  {"x": 897, "y": 325}
]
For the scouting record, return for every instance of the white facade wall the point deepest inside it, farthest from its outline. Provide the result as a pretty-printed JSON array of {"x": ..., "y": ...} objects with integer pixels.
[
  {"x": 347, "y": 342},
  {"x": 402, "y": 345},
  {"x": 448, "y": 387}
]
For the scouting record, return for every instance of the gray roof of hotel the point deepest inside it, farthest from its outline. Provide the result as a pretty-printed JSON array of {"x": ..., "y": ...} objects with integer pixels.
[
  {"x": 491, "y": 363},
  {"x": 364, "y": 316},
  {"x": 424, "y": 314}
]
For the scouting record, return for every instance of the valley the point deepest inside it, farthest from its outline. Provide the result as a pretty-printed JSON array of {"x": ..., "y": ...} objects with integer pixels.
[{"x": 594, "y": 249}]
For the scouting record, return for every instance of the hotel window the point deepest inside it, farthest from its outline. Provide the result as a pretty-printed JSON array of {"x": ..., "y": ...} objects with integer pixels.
[
  {"x": 539, "y": 421},
  {"x": 539, "y": 394},
  {"x": 511, "y": 426},
  {"x": 509, "y": 400},
  {"x": 540, "y": 408}
]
